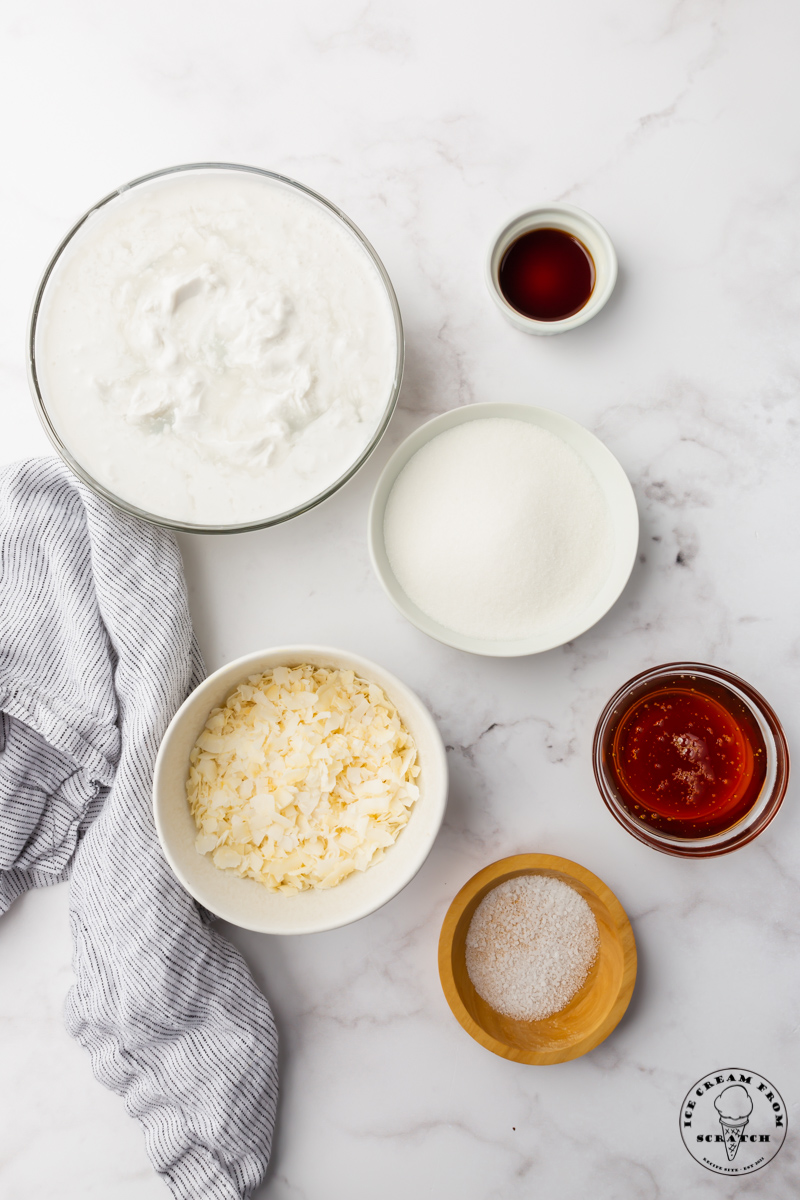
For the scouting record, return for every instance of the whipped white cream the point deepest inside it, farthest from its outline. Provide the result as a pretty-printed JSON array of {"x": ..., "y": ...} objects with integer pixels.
[{"x": 215, "y": 347}]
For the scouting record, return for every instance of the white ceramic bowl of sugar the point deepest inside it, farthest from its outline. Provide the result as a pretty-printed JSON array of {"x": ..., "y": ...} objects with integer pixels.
[
  {"x": 247, "y": 903},
  {"x": 612, "y": 482}
]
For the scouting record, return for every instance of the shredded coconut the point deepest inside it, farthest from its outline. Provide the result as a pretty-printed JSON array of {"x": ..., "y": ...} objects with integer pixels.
[
  {"x": 530, "y": 945},
  {"x": 305, "y": 775},
  {"x": 497, "y": 529}
]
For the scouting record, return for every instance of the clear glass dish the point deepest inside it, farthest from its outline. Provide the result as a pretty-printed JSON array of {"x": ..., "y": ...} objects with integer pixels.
[
  {"x": 772, "y": 791},
  {"x": 187, "y": 527}
]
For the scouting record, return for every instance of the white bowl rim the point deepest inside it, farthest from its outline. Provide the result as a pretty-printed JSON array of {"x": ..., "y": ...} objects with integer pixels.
[
  {"x": 368, "y": 669},
  {"x": 526, "y": 219},
  {"x": 572, "y": 432}
]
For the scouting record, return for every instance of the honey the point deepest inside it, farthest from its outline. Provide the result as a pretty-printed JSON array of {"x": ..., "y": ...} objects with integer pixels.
[{"x": 688, "y": 757}]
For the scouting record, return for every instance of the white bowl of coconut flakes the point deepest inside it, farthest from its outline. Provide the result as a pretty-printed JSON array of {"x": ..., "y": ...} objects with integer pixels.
[{"x": 251, "y": 902}]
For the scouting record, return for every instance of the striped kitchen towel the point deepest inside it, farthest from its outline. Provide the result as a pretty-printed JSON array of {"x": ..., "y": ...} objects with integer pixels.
[{"x": 96, "y": 654}]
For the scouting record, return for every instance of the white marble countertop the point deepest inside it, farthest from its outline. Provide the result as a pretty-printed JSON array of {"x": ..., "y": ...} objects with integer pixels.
[{"x": 676, "y": 124}]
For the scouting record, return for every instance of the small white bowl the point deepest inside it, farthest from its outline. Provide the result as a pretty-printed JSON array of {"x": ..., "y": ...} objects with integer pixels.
[
  {"x": 613, "y": 483},
  {"x": 245, "y": 902},
  {"x": 582, "y": 226}
]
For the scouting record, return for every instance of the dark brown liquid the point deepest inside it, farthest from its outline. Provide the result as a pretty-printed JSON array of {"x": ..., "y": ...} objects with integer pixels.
[{"x": 547, "y": 274}]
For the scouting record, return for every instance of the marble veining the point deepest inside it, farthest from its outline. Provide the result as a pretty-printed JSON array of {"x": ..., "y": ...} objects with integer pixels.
[{"x": 677, "y": 125}]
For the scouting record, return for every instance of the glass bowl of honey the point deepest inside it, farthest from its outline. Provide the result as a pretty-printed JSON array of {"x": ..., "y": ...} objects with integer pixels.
[{"x": 691, "y": 760}]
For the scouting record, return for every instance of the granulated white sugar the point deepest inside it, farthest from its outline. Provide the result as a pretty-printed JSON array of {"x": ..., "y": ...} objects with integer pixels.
[
  {"x": 530, "y": 945},
  {"x": 497, "y": 529}
]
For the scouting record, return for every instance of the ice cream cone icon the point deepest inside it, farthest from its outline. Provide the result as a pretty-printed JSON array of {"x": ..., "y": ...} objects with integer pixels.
[{"x": 734, "y": 1106}]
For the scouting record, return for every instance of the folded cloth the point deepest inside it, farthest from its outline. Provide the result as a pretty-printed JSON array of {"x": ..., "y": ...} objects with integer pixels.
[{"x": 96, "y": 654}]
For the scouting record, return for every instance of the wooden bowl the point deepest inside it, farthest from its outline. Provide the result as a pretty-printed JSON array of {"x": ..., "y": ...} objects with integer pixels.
[{"x": 591, "y": 1014}]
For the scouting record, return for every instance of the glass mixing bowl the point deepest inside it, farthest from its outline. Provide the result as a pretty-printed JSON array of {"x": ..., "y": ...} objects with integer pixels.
[
  {"x": 40, "y": 399},
  {"x": 772, "y": 790}
]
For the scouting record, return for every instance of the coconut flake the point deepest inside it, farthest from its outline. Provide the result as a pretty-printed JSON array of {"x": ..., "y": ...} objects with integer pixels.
[{"x": 303, "y": 776}]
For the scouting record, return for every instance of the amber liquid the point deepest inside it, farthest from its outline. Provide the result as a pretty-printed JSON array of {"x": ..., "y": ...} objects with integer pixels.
[
  {"x": 688, "y": 758},
  {"x": 547, "y": 274}
]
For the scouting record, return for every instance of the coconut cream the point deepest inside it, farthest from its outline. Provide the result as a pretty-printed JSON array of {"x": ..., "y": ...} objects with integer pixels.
[{"x": 215, "y": 347}]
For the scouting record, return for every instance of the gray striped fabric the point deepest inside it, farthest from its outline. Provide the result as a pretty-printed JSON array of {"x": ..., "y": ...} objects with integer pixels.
[{"x": 96, "y": 654}]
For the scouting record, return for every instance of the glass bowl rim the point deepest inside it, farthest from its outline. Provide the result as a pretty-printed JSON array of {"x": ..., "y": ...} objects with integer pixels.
[
  {"x": 168, "y": 522},
  {"x": 743, "y": 832}
]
